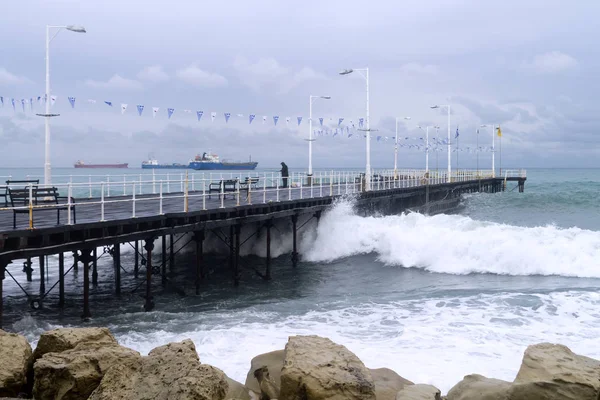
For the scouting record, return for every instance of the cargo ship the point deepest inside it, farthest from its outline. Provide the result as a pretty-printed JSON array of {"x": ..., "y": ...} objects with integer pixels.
[
  {"x": 211, "y": 162},
  {"x": 152, "y": 163},
  {"x": 81, "y": 164}
]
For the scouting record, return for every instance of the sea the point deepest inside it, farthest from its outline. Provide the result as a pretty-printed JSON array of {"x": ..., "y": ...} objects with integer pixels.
[{"x": 433, "y": 298}]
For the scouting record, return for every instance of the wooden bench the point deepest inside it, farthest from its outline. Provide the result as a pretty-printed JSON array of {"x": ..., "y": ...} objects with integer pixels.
[
  {"x": 26, "y": 183},
  {"x": 47, "y": 197},
  {"x": 248, "y": 184},
  {"x": 223, "y": 186}
]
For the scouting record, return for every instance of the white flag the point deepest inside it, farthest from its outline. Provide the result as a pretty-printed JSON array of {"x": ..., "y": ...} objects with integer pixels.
[
  {"x": 213, "y": 115},
  {"x": 52, "y": 100},
  {"x": 123, "y": 108},
  {"x": 154, "y": 111}
]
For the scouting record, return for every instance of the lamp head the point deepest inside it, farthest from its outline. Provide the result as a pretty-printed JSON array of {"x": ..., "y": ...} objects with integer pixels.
[
  {"x": 76, "y": 28},
  {"x": 346, "y": 71},
  {"x": 435, "y": 106},
  {"x": 326, "y": 97},
  {"x": 406, "y": 117}
]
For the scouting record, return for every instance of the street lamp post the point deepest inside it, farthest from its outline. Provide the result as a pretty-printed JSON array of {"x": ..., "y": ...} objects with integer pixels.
[
  {"x": 364, "y": 72},
  {"x": 47, "y": 115},
  {"x": 427, "y": 144},
  {"x": 493, "y": 149},
  {"x": 396, "y": 148},
  {"x": 449, "y": 179},
  {"x": 310, "y": 134}
]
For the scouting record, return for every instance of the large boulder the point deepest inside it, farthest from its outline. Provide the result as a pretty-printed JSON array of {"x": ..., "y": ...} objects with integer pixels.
[
  {"x": 315, "y": 368},
  {"x": 420, "y": 392},
  {"x": 237, "y": 390},
  {"x": 273, "y": 361},
  {"x": 74, "y": 374},
  {"x": 62, "y": 339},
  {"x": 170, "y": 372},
  {"x": 553, "y": 371},
  {"x": 269, "y": 389},
  {"x": 387, "y": 383},
  {"x": 15, "y": 363},
  {"x": 478, "y": 387}
]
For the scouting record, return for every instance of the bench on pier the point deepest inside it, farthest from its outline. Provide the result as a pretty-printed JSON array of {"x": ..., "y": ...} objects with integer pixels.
[
  {"x": 43, "y": 198},
  {"x": 223, "y": 186},
  {"x": 25, "y": 183}
]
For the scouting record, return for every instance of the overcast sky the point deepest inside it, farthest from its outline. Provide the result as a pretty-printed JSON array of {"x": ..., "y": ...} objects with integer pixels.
[{"x": 530, "y": 66}]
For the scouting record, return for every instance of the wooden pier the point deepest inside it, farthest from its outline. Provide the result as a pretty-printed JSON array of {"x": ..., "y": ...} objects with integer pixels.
[{"x": 143, "y": 219}]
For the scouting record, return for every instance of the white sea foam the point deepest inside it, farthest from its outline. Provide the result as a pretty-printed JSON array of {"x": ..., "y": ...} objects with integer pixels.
[{"x": 455, "y": 244}]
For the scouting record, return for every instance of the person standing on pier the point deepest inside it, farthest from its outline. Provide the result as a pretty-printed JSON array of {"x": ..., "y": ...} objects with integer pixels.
[{"x": 284, "y": 174}]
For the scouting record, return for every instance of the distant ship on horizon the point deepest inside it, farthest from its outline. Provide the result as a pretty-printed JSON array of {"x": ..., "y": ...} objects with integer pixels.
[
  {"x": 152, "y": 163},
  {"x": 211, "y": 162},
  {"x": 81, "y": 164}
]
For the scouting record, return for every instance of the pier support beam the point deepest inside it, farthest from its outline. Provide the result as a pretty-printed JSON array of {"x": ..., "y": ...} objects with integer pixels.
[
  {"x": 231, "y": 247},
  {"x": 117, "y": 267},
  {"x": 75, "y": 262},
  {"x": 61, "y": 280},
  {"x": 268, "y": 225},
  {"x": 3, "y": 263},
  {"x": 42, "y": 274},
  {"x": 199, "y": 239},
  {"x": 27, "y": 269},
  {"x": 95, "y": 267},
  {"x": 86, "y": 258},
  {"x": 294, "y": 236},
  {"x": 149, "y": 246},
  {"x": 163, "y": 267},
  {"x": 136, "y": 260},
  {"x": 171, "y": 253},
  {"x": 236, "y": 271}
]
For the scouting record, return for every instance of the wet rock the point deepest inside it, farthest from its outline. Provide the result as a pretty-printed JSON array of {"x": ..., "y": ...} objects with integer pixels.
[
  {"x": 419, "y": 392},
  {"x": 59, "y": 340},
  {"x": 387, "y": 383},
  {"x": 273, "y": 361},
  {"x": 170, "y": 372},
  {"x": 74, "y": 374},
  {"x": 269, "y": 389},
  {"x": 237, "y": 390},
  {"x": 315, "y": 368},
  {"x": 479, "y": 387},
  {"x": 15, "y": 363}
]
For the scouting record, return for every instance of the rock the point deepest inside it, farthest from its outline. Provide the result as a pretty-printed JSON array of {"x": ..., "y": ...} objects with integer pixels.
[
  {"x": 273, "y": 361},
  {"x": 479, "y": 387},
  {"x": 58, "y": 340},
  {"x": 74, "y": 374},
  {"x": 421, "y": 392},
  {"x": 237, "y": 390},
  {"x": 269, "y": 389},
  {"x": 553, "y": 371},
  {"x": 170, "y": 372},
  {"x": 387, "y": 383},
  {"x": 15, "y": 364},
  {"x": 315, "y": 368}
]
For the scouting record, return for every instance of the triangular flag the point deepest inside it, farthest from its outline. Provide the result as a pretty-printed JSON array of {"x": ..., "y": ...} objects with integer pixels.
[
  {"x": 13, "y": 103},
  {"x": 340, "y": 121},
  {"x": 227, "y": 115},
  {"x": 321, "y": 121},
  {"x": 199, "y": 114},
  {"x": 275, "y": 119},
  {"x": 264, "y": 119},
  {"x": 52, "y": 100},
  {"x": 31, "y": 104},
  {"x": 299, "y": 120},
  {"x": 361, "y": 122},
  {"x": 498, "y": 129},
  {"x": 170, "y": 112},
  {"x": 154, "y": 111},
  {"x": 287, "y": 120},
  {"x": 123, "y": 108},
  {"x": 23, "y": 104},
  {"x": 251, "y": 118},
  {"x": 140, "y": 109},
  {"x": 39, "y": 99},
  {"x": 1, "y": 101},
  {"x": 91, "y": 101},
  {"x": 72, "y": 101},
  {"x": 108, "y": 103},
  {"x": 213, "y": 115}
]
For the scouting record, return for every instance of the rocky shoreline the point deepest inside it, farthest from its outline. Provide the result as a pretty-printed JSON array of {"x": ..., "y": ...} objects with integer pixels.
[{"x": 89, "y": 363}]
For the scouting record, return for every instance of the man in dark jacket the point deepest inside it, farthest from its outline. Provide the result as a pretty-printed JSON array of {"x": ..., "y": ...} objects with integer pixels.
[{"x": 284, "y": 174}]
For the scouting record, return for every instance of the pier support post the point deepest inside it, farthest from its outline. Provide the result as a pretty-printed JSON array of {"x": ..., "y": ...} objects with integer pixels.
[
  {"x": 27, "y": 269},
  {"x": 295, "y": 249},
  {"x": 171, "y": 254},
  {"x": 199, "y": 239},
  {"x": 236, "y": 272},
  {"x": 3, "y": 263},
  {"x": 61, "y": 280},
  {"x": 86, "y": 258},
  {"x": 95, "y": 267},
  {"x": 42, "y": 274},
  {"x": 163, "y": 267},
  {"x": 268, "y": 272},
  {"x": 149, "y": 246},
  {"x": 136, "y": 260},
  {"x": 231, "y": 247},
  {"x": 75, "y": 262},
  {"x": 117, "y": 266}
]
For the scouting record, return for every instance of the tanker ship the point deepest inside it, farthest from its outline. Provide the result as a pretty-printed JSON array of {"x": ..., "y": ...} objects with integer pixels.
[
  {"x": 81, "y": 164},
  {"x": 152, "y": 163},
  {"x": 211, "y": 162}
]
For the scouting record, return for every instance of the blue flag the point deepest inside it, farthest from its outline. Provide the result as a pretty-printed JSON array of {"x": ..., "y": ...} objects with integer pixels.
[
  {"x": 251, "y": 118},
  {"x": 13, "y": 103},
  {"x": 170, "y": 112},
  {"x": 199, "y": 114},
  {"x": 336, "y": 132},
  {"x": 378, "y": 138},
  {"x": 299, "y": 120},
  {"x": 108, "y": 103},
  {"x": 72, "y": 101},
  {"x": 360, "y": 122},
  {"x": 2, "y": 101},
  {"x": 227, "y": 115},
  {"x": 349, "y": 135},
  {"x": 340, "y": 121},
  {"x": 321, "y": 121},
  {"x": 275, "y": 119},
  {"x": 455, "y": 137},
  {"x": 23, "y": 104},
  {"x": 31, "y": 103},
  {"x": 140, "y": 109}
]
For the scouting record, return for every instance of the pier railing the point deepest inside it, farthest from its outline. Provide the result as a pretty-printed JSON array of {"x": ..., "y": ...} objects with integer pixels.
[{"x": 111, "y": 197}]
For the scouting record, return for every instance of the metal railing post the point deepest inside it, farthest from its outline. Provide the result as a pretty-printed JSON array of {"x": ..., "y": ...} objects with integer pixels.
[
  {"x": 277, "y": 188},
  {"x": 237, "y": 192},
  {"x": 153, "y": 181},
  {"x": 160, "y": 198},
  {"x": 31, "y": 207},
  {"x": 141, "y": 184},
  {"x": 331, "y": 184},
  {"x": 289, "y": 184},
  {"x": 249, "y": 194},
  {"x": 124, "y": 186},
  {"x": 133, "y": 198},
  {"x": 168, "y": 183},
  {"x": 264, "y": 188},
  {"x": 185, "y": 194},
  {"x": 181, "y": 182},
  {"x": 102, "y": 203},
  {"x": 90, "y": 186},
  {"x": 107, "y": 186},
  {"x": 320, "y": 184},
  {"x": 69, "y": 195},
  {"x": 222, "y": 194},
  {"x": 193, "y": 183},
  {"x": 300, "y": 185},
  {"x": 203, "y": 193}
]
